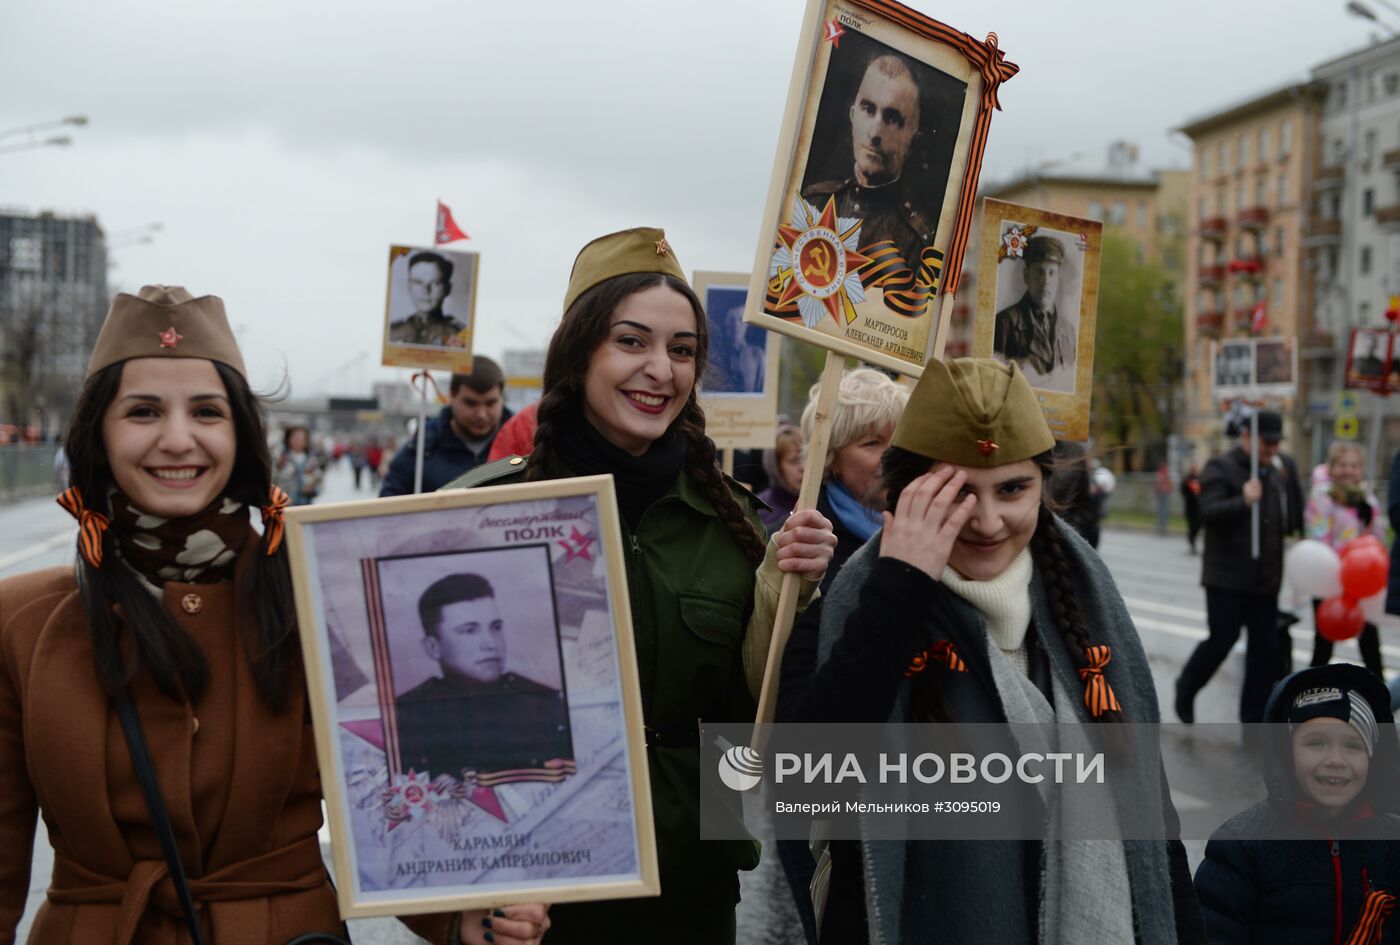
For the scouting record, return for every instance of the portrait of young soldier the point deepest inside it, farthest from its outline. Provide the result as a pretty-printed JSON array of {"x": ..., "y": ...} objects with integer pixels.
[
  {"x": 883, "y": 142},
  {"x": 738, "y": 352},
  {"x": 476, "y": 716},
  {"x": 1039, "y": 331},
  {"x": 429, "y": 284}
]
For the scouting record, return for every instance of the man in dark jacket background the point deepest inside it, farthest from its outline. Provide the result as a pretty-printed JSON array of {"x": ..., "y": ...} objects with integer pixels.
[
  {"x": 1242, "y": 591},
  {"x": 459, "y": 438}
]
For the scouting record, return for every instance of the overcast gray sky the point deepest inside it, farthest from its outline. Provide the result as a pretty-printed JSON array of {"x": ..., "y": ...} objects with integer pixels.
[{"x": 284, "y": 146}]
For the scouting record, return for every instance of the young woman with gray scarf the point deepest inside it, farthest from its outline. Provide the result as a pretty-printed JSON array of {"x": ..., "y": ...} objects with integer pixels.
[{"x": 975, "y": 603}]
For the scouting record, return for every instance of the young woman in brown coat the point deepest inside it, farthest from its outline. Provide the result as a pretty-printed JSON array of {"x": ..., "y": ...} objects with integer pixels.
[{"x": 177, "y": 600}]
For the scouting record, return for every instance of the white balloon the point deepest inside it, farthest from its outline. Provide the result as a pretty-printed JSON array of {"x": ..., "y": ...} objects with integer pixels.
[
  {"x": 1314, "y": 568},
  {"x": 1374, "y": 608}
]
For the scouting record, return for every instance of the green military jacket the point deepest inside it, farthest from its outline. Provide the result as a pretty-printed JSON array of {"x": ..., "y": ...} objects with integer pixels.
[{"x": 692, "y": 592}]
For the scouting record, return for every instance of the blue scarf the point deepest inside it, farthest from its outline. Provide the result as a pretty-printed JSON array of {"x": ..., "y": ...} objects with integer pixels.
[{"x": 859, "y": 520}]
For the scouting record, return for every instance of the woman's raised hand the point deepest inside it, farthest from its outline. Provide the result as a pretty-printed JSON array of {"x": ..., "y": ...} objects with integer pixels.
[
  {"x": 927, "y": 520},
  {"x": 523, "y": 924},
  {"x": 806, "y": 543}
]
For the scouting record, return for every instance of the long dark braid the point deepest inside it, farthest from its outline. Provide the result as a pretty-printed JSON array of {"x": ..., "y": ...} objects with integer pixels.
[
  {"x": 700, "y": 461},
  {"x": 899, "y": 467},
  {"x": 582, "y": 329}
]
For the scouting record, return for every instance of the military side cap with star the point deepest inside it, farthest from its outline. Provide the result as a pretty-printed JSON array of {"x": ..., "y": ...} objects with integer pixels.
[
  {"x": 642, "y": 249},
  {"x": 973, "y": 412},
  {"x": 165, "y": 322},
  {"x": 1044, "y": 249}
]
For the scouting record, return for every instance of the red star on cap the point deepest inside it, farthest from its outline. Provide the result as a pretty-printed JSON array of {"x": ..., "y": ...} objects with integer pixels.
[
  {"x": 662, "y": 247},
  {"x": 987, "y": 447},
  {"x": 170, "y": 337}
]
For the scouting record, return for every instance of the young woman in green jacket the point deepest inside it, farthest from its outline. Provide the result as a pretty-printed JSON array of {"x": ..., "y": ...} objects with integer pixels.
[{"x": 620, "y": 398}]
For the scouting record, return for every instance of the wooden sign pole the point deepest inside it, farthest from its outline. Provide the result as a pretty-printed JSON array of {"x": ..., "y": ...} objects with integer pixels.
[
  {"x": 830, "y": 385},
  {"x": 806, "y": 499}
]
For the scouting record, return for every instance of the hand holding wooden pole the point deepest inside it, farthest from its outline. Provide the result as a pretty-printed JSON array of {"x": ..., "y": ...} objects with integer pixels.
[{"x": 830, "y": 385}]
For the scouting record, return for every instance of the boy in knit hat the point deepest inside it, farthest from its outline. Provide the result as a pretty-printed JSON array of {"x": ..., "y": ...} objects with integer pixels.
[{"x": 1319, "y": 859}]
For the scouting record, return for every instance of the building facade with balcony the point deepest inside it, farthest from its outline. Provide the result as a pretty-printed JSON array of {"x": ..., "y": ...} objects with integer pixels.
[
  {"x": 1250, "y": 198},
  {"x": 1354, "y": 242},
  {"x": 53, "y": 297}
]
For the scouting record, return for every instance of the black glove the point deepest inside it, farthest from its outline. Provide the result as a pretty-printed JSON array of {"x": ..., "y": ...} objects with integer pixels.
[{"x": 1364, "y": 513}]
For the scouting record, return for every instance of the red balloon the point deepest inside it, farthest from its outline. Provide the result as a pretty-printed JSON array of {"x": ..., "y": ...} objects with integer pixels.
[
  {"x": 1339, "y": 618},
  {"x": 1367, "y": 540},
  {"x": 1365, "y": 571}
]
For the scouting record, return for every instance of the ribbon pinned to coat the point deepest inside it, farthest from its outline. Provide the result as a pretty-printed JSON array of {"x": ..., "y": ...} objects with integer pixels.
[
  {"x": 942, "y": 653},
  {"x": 1098, "y": 694},
  {"x": 274, "y": 522},
  {"x": 1375, "y": 909},
  {"x": 91, "y": 525}
]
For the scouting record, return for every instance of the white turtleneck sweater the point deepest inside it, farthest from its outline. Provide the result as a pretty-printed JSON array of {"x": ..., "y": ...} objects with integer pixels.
[{"x": 1004, "y": 602}]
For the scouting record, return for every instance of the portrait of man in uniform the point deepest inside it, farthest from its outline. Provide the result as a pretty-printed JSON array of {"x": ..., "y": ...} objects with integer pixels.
[
  {"x": 1040, "y": 330},
  {"x": 1232, "y": 364},
  {"x": 1273, "y": 361},
  {"x": 738, "y": 352},
  {"x": 883, "y": 142},
  {"x": 477, "y": 718},
  {"x": 429, "y": 285}
]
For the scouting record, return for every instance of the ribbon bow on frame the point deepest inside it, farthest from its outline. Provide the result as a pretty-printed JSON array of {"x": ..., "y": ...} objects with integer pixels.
[
  {"x": 1098, "y": 694},
  {"x": 91, "y": 525},
  {"x": 991, "y": 62}
]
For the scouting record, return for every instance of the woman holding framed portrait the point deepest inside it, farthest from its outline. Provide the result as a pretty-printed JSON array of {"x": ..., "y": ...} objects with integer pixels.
[
  {"x": 152, "y": 702},
  {"x": 620, "y": 398},
  {"x": 975, "y": 603}
]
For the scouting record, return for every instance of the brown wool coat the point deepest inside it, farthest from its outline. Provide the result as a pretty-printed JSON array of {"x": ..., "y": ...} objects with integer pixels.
[{"x": 240, "y": 782}]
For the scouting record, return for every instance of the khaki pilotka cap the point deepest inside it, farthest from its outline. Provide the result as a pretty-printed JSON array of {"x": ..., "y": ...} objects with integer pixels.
[
  {"x": 165, "y": 322},
  {"x": 973, "y": 412},
  {"x": 642, "y": 249}
]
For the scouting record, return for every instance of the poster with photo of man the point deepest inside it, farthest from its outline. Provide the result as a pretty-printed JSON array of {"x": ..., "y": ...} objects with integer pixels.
[
  {"x": 1234, "y": 369},
  {"x": 739, "y": 391},
  {"x": 874, "y": 181},
  {"x": 1275, "y": 367},
  {"x": 1036, "y": 305},
  {"x": 429, "y": 308},
  {"x": 1368, "y": 359},
  {"x": 473, "y": 685}
]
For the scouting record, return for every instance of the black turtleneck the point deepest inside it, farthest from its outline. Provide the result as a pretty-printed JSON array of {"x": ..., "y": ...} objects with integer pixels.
[{"x": 638, "y": 480}]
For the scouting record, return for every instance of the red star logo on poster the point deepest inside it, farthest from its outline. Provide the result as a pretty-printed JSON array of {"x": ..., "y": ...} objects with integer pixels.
[
  {"x": 170, "y": 337},
  {"x": 577, "y": 545},
  {"x": 834, "y": 32},
  {"x": 822, "y": 263}
]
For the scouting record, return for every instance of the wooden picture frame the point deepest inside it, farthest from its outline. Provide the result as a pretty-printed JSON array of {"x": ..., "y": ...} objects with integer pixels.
[
  {"x": 739, "y": 392},
  {"x": 444, "y": 283},
  {"x": 1062, "y": 254},
  {"x": 1254, "y": 368},
  {"x": 536, "y": 786},
  {"x": 859, "y": 237}
]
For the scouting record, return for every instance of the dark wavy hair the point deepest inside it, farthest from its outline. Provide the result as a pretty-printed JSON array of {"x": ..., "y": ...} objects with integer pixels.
[
  {"x": 899, "y": 467},
  {"x": 175, "y": 660},
  {"x": 583, "y": 328}
]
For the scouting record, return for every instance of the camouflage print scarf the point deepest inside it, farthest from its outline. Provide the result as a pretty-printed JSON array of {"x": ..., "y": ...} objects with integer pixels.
[{"x": 196, "y": 549}]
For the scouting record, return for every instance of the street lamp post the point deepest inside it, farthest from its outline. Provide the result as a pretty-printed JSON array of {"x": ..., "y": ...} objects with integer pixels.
[
  {"x": 1358, "y": 9},
  {"x": 31, "y": 132}
]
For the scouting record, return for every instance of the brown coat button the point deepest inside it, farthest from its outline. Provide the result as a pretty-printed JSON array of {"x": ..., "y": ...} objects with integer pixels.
[
  {"x": 195, "y": 726},
  {"x": 192, "y": 603}
]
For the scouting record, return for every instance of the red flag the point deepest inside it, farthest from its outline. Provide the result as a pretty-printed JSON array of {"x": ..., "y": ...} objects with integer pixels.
[
  {"x": 447, "y": 230},
  {"x": 1258, "y": 319}
]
